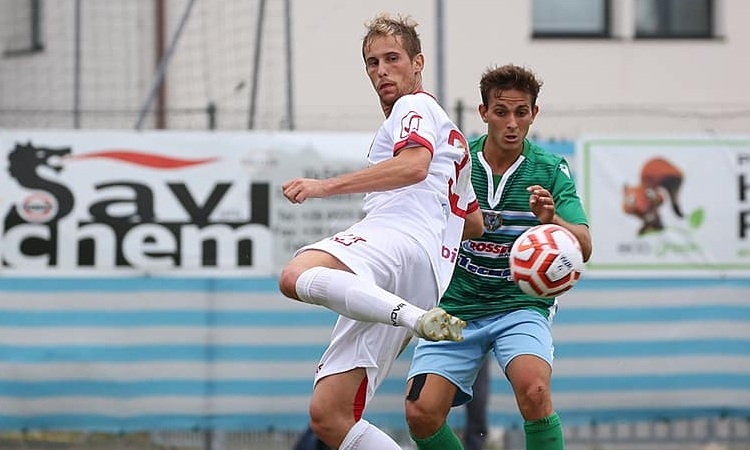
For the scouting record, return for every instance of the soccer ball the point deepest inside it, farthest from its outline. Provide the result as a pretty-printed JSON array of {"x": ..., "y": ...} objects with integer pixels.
[{"x": 546, "y": 261}]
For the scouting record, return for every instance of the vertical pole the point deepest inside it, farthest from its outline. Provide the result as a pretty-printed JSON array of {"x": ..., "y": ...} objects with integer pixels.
[
  {"x": 36, "y": 25},
  {"x": 256, "y": 63},
  {"x": 460, "y": 114},
  {"x": 211, "y": 113},
  {"x": 77, "y": 67},
  {"x": 159, "y": 39},
  {"x": 289, "y": 65},
  {"x": 162, "y": 69},
  {"x": 440, "y": 34}
]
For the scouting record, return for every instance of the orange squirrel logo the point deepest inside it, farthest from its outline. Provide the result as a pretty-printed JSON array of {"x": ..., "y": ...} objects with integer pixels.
[{"x": 658, "y": 176}]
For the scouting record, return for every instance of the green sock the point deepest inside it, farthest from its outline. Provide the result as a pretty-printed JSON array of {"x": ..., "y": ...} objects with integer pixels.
[
  {"x": 443, "y": 439},
  {"x": 544, "y": 434}
]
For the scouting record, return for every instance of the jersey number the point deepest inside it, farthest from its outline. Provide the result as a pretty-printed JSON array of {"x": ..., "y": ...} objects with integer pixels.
[{"x": 463, "y": 173}]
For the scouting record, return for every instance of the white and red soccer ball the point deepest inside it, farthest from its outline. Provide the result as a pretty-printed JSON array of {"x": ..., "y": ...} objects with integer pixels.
[{"x": 546, "y": 261}]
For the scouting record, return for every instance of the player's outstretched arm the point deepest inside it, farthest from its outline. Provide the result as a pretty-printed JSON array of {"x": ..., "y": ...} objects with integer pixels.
[{"x": 409, "y": 167}]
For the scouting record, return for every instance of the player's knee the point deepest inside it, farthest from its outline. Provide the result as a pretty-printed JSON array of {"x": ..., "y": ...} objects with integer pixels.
[
  {"x": 423, "y": 420},
  {"x": 535, "y": 400},
  {"x": 423, "y": 413},
  {"x": 422, "y": 416},
  {"x": 537, "y": 392},
  {"x": 288, "y": 282},
  {"x": 322, "y": 422}
]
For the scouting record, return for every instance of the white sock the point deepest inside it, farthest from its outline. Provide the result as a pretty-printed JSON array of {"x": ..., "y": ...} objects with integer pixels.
[
  {"x": 355, "y": 297},
  {"x": 365, "y": 436}
]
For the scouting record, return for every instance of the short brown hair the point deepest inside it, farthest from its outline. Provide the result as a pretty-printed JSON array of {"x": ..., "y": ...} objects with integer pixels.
[
  {"x": 508, "y": 77},
  {"x": 400, "y": 26}
]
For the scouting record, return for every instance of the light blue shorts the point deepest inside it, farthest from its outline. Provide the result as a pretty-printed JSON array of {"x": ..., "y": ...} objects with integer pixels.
[{"x": 507, "y": 335}]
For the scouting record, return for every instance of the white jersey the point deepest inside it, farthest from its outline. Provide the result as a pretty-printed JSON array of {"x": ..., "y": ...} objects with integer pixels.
[{"x": 433, "y": 210}]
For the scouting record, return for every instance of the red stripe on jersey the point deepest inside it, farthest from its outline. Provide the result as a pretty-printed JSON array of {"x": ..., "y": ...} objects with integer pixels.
[
  {"x": 473, "y": 206},
  {"x": 453, "y": 198},
  {"x": 413, "y": 138},
  {"x": 359, "y": 400}
]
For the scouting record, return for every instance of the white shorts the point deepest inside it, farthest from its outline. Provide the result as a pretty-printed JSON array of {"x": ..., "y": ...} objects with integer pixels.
[{"x": 395, "y": 262}]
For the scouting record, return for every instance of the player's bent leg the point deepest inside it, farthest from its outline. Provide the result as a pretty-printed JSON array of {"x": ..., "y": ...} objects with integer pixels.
[
  {"x": 530, "y": 377},
  {"x": 299, "y": 264},
  {"x": 331, "y": 414},
  {"x": 356, "y": 297},
  {"x": 335, "y": 414},
  {"x": 428, "y": 401}
]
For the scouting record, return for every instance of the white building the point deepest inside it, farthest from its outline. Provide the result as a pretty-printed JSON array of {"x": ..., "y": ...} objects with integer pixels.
[{"x": 632, "y": 66}]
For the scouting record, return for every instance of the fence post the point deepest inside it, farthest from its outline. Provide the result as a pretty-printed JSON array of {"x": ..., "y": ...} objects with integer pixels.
[
  {"x": 211, "y": 113},
  {"x": 459, "y": 112}
]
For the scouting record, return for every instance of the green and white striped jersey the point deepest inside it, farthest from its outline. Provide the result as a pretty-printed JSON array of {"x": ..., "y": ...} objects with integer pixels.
[{"x": 481, "y": 283}]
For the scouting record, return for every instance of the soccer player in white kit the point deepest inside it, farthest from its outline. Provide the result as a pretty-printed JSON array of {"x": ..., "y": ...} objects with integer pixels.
[{"x": 385, "y": 273}]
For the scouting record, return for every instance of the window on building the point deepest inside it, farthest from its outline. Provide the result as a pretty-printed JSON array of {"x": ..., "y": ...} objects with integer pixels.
[
  {"x": 674, "y": 18},
  {"x": 570, "y": 18},
  {"x": 22, "y": 27}
]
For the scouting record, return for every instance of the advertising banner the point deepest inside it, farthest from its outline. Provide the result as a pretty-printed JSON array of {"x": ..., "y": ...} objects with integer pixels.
[
  {"x": 139, "y": 289},
  {"x": 668, "y": 206},
  {"x": 121, "y": 203}
]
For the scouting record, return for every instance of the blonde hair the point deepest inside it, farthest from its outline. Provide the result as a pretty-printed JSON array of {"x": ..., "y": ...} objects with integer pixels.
[{"x": 400, "y": 26}]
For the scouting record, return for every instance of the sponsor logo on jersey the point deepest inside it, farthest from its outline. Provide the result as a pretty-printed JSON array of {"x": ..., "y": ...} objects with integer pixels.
[
  {"x": 483, "y": 248},
  {"x": 448, "y": 253},
  {"x": 465, "y": 263}
]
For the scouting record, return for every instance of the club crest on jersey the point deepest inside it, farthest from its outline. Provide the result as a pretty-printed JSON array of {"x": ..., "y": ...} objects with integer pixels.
[
  {"x": 410, "y": 123},
  {"x": 347, "y": 239},
  {"x": 492, "y": 220}
]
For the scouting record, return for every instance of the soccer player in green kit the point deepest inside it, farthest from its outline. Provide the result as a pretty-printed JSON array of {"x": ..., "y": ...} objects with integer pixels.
[{"x": 518, "y": 185}]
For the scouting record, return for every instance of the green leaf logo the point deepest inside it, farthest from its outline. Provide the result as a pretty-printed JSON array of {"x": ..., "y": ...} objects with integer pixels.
[{"x": 696, "y": 218}]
